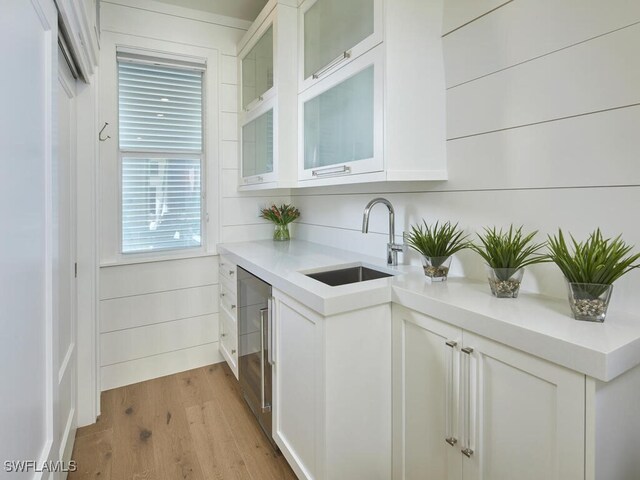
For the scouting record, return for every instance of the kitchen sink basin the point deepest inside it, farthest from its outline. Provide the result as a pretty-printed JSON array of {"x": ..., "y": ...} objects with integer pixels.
[{"x": 344, "y": 276}]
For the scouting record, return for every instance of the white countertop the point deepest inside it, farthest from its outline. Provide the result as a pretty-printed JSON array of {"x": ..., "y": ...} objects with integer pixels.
[{"x": 540, "y": 325}]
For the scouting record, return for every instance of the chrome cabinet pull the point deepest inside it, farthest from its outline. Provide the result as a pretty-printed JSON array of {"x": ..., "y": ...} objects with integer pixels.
[
  {"x": 449, "y": 437},
  {"x": 253, "y": 180},
  {"x": 466, "y": 447},
  {"x": 326, "y": 172},
  {"x": 263, "y": 401},
  {"x": 336, "y": 61},
  {"x": 253, "y": 103},
  {"x": 270, "y": 335},
  {"x": 231, "y": 272}
]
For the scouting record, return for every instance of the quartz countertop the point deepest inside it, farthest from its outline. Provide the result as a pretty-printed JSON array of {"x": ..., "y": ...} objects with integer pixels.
[{"x": 536, "y": 324}]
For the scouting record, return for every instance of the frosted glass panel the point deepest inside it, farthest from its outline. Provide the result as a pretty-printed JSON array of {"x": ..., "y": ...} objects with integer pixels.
[
  {"x": 257, "y": 146},
  {"x": 338, "y": 124},
  {"x": 333, "y": 26},
  {"x": 257, "y": 69}
]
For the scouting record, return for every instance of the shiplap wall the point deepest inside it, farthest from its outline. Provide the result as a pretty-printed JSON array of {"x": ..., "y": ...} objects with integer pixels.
[
  {"x": 543, "y": 107},
  {"x": 161, "y": 317}
]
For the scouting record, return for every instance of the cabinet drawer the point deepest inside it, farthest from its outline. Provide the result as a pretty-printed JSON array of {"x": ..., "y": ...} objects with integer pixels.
[
  {"x": 229, "y": 342},
  {"x": 228, "y": 302},
  {"x": 227, "y": 269}
]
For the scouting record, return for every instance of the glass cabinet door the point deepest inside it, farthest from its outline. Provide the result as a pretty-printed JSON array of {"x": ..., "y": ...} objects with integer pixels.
[
  {"x": 341, "y": 119},
  {"x": 257, "y": 146},
  {"x": 334, "y": 31},
  {"x": 257, "y": 70}
]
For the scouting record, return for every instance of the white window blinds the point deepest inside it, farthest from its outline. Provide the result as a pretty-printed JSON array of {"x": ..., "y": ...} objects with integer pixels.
[
  {"x": 161, "y": 153},
  {"x": 160, "y": 107}
]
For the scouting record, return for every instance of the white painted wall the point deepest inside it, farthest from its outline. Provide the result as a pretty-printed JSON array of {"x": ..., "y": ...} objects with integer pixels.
[
  {"x": 159, "y": 316},
  {"x": 543, "y": 104}
]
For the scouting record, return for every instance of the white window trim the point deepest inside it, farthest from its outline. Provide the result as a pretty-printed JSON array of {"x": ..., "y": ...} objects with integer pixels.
[{"x": 111, "y": 238}]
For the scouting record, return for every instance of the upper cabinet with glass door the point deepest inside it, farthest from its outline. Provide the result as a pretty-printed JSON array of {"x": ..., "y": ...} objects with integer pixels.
[
  {"x": 257, "y": 71},
  {"x": 268, "y": 99},
  {"x": 333, "y": 33},
  {"x": 371, "y": 101}
]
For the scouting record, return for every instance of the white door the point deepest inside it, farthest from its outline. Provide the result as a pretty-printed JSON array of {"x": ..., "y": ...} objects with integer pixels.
[
  {"x": 525, "y": 416},
  {"x": 64, "y": 281},
  {"x": 425, "y": 394},
  {"x": 28, "y": 117}
]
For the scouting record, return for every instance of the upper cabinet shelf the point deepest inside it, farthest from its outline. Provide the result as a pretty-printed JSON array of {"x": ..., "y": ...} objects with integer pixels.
[{"x": 333, "y": 33}]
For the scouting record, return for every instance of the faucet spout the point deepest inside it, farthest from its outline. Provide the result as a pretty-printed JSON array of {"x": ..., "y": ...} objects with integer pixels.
[{"x": 392, "y": 247}]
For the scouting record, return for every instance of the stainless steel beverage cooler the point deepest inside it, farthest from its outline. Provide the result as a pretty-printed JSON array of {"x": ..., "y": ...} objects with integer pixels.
[{"x": 255, "y": 360}]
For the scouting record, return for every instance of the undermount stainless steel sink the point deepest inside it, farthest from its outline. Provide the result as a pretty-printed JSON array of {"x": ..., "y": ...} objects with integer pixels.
[{"x": 344, "y": 276}]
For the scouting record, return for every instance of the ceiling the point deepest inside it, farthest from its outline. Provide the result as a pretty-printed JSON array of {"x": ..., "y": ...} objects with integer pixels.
[{"x": 244, "y": 9}]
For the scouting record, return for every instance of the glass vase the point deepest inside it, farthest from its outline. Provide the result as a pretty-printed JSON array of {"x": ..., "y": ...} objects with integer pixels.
[
  {"x": 436, "y": 268},
  {"x": 589, "y": 301},
  {"x": 505, "y": 282},
  {"x": 281, "y": 233}
]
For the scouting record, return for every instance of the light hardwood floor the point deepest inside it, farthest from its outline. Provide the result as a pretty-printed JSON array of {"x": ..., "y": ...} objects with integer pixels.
[{"x": 192, "y": 425}]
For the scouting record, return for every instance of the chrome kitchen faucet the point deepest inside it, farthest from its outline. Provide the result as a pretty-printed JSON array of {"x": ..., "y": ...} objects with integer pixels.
[{"x": 392, "y": 247}]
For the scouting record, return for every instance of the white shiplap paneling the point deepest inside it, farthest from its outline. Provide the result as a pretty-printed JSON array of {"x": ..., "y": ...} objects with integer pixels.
[
  {"x": 460, "y": 12},
  {"x": 167, "y": 363},
  {"x": 140, "y": 342},
  {"x": 600, "y": 74},
  {"x": 526, "y": 29},
  {"x": 138, "y": 279},
  {"x": 135, "y": 311}
]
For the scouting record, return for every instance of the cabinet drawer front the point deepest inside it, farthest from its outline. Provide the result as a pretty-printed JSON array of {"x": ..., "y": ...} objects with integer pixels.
[
  {"x": 333, "y": 33},
  {"x": 228, "y": 269},
  {"x": 229, "y": 341},
  {"x": 228, "y": 302},
  {"x": 232, "y": 286},
  {"x": 341, "y": 125}
]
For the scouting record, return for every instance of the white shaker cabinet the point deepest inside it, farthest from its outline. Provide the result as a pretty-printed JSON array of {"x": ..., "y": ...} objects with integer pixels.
[
  {"x": 331, "y": 391},
  {"x": 466, "y": 407},
  {"x": 376, "y": 111},
  {"x": 268, "y": 99}
]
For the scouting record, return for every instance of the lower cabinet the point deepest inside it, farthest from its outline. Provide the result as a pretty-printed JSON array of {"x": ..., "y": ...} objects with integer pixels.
[
  {"x": 228, "y": 313},
  {"x": 331, "y": 391},
  {"x": 466, "y": 407}
]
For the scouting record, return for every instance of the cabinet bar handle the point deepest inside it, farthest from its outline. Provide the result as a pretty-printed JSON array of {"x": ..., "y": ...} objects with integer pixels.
[
  {"x": 336, "y": 61},
  {"x": 252, "y": 181},
  {"x": 450, "y": 439},
  {"x": 466, "y": 447},
  {"x": 270, "y": 335},
  {"x": 253, "y": 103},
  {"x": 326, "y": 172}
]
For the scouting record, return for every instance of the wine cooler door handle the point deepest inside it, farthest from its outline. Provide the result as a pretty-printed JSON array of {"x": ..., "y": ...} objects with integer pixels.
[{"x": 263, "y": 401}]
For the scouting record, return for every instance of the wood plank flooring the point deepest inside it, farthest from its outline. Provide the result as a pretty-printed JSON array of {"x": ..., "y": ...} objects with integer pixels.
[{"x": 193, "y": 425}]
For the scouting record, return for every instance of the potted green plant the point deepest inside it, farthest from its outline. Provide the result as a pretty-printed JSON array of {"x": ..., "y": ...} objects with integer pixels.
[
  {"x": 590, "y": 270},
  {"x": 436, "y": 243},
  {"x": 281, "y": 217},
  {"x": 507, "y": 254}
]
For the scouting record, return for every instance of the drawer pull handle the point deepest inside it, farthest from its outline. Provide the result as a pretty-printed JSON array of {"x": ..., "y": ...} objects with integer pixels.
[
  {"x": 450, "y": 407},
  {"x": 231, "y": 272},
  {"x": 233, "y": 352},
  {"x": 223, "y": 335},
  {"x": 232, "y": 307}
]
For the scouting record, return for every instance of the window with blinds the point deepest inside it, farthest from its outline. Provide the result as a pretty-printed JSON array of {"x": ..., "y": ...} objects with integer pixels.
[{"x": 161, "y": 154}]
